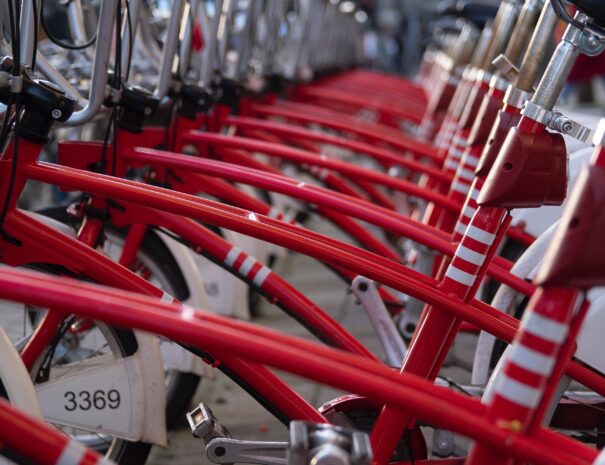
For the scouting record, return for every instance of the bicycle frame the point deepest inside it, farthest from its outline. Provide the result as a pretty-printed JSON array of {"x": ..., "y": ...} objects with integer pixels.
[
  {"x": 438, "y": 406},
  {"x": 136, "y": 204},
  {"x": 392, "y": 222},
  {"x": 370, "y": 132},
  {"x": 292, "y": 237}
]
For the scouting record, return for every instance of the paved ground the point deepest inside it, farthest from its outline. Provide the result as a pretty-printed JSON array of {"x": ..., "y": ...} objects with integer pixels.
[{"x": 238, "y": 412}]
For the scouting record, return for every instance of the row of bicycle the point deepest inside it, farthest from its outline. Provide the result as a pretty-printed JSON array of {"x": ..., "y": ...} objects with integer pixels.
[{"x": 191, "y": 142}]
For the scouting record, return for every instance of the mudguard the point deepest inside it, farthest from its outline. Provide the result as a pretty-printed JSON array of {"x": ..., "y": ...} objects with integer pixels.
[
  {"x": 15, "y": 378},
  {"x": 589, "y": 341},
  {"x": 140, "y": 376},
  {"x": 124, "y": 397}
]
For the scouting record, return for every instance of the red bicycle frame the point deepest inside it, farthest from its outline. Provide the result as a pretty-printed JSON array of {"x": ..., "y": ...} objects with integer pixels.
[
  {"x": 441, "y": 407},
  {"x": 295, "y": 238}
]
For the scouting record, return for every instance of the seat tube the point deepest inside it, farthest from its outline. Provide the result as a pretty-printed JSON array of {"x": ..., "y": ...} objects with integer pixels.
[{"x": 437, "y": 328}]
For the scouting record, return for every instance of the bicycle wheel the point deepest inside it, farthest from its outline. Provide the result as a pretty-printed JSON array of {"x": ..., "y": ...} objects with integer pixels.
[
  {"x": 154, "y": 262},
  {"x": 82, "y": 381}
]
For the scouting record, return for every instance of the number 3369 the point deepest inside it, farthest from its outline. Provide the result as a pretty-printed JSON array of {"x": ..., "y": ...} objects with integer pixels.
[{"x": 86, "y": 400}]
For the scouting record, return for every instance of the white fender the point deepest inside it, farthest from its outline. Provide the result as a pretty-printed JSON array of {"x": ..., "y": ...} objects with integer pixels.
[
  {"x": 185, "y": 258},
  {"x": 589, "y": 340},
  {"x": 122, "y": 397},
  {"x": 15, "y": 378},
  {"x": 504, "y": 300},
  {"x": 227, "y": 294},
  {"x": 174, "y": 356},
  {"x": 145, "y": 381}
]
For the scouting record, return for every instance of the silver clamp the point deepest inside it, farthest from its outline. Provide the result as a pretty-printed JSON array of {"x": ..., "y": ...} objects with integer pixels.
[
  {"x": 452, "y": 78},
  {"x": 565, "y": 125},
  {"x": 516, "y": 97},
  {"x": 483, "y": 76},
  {"x": 498, "y": 82},
  {"x": 536, "y": 113},
  {"x": 557, "y": 121},
  {"x": 506, "y": 67}
]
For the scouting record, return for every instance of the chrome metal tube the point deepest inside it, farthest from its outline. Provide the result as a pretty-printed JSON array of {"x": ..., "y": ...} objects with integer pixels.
[
  {"x": 479, "y": 59},
  {"x": 522, "y": 32},
  {"x": 560, "y": 66},
  {"x": 502, "y": 35},
  {"x": 296, "y": 40},
  {"x": 28, "y": 31},
  {"x": 302, "y": 61},
  {"x": 222, "y": 36},
  {"x": 75, "y": 21},
  {"x": 482, "y": 45},
  {"x": 465, "y": 45},
  {"x": 148, "y": 41},
  {"x": 186, "y": 44},
  {"x": 246, "y": 39},
  {"x": 98, "y": 82},
  {"x": 209, "y": 64},
  {"x": 537, "y": 50},
  {"x": 169, "y": 49}
]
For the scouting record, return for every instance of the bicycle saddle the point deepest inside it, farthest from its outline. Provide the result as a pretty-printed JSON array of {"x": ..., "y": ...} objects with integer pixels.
[
  {"x": 593, "y": 8},
  {"x": 478, "y": 13}
]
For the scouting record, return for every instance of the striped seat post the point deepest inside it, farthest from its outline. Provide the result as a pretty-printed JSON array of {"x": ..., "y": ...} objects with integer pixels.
[
  {"x": 474, "y": 246},
  {"x": 468, "y": 209},
  {"x": 528, "y": 365}
]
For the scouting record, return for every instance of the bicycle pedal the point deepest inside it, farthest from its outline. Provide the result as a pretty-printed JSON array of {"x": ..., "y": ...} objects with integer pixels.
[{"x": 204, "y": 425}]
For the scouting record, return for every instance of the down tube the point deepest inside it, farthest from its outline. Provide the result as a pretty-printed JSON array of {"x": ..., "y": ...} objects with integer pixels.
[
  {"x": 489, "y": 319},
  {"x": 64, "y": 250},
  {"x": 384, "y": 219},
  {"x": 245, "y": 267},
  {"x": 444, "y": 408}
]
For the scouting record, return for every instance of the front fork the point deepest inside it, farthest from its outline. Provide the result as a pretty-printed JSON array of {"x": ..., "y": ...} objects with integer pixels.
[{"x": 437, "y": 328}]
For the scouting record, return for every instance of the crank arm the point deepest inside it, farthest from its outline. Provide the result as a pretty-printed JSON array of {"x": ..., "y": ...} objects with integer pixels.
[{"x": 228, "y": 451}]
